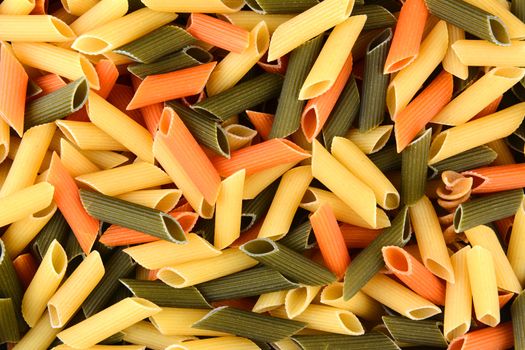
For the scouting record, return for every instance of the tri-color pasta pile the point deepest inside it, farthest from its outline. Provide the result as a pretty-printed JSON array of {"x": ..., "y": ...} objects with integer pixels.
[{"x": 262, "y": 174}]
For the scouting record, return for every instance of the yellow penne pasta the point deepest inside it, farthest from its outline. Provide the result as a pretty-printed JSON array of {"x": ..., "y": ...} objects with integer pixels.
[
  {"x": 194, "y": 272},
  {"x": 158, "y": 254},
  {"x": 249, "y": 19},
  {"x": 239, "y": 136},
  {"x": 475, "y": 133},
  {"x": 504, "y": 154},
  {"x": 234, "y": 66},
  {"x": 102, "y": 347},
  {"x": 35, "y": 28},
  {"x": 117, "y": 59},
  {"x": 485, "y": 237},
  {"x": 70, "y": 296},
  {"x": 483, "y": 91},
  {"x": 286, "y": 344},
  {"x": 75, "y": 162},
  {"x": 120, "y": 127},
  {"x": 307, "y": 25},
  {"x": 4, "y": 140},
  {"x": 399, "y": 298},
  {"x": 482, "y": 277},
  {"x": 25, "y": 202},
  {"x": 88, "y": 136},
  {"x": 121, "y": 31},
  {"x": 291, "y": 190},
  {"x": 484, "y": 53},
  {"x": 514, "y": 25},
  {"x": 352, "y": 191},
  {"x": 44, "y": 284},
  {"x": 327, "y": 319},
  {"x": 103, "y": 12},
  {"x": 17, "y": 7},
  {"x": 228, "y": 210},
  {"x": 38, "y": 337},
  {"x": 298, "y": 299},
  {"x": 29, "y": 157},
  {"x": 4, "y": 170},
  {"x": 163, "y": 199},
  {"x": 516, "y": 250},
  {"x": 256, "y": 183},
  {"x": 146, "y": 334},
  {"x": 105, "y": 159},
  {"x": 360, "y": 304},
  {"x": 430, "y": 239},
  {"x": 270, "y": 301},
  {"x": 213, "y": 6},
  {"x": 332, "y": 57},
  {"x": 348, "y": 154},
  {"x": 409, "y": 80},
  {"x": 66, "y": 63},
  {"x": 78, "y": 7},
  {"x": 451, "y": 62},
  {"x": 138, "y": 176},
  {"x": 108, "y": 322},
  {"x": 178, "y": 321},
  {"x": 370, "y": 141},
  {"x": 20, "y": 233},
  {"x": 458, "y": 298},
  {"x": 218, "y": 343},
  {"x": 315, "y": 197}
]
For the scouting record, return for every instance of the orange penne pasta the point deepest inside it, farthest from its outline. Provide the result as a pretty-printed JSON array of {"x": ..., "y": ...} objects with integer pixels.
[
  {"x": 497, "y": 178},
  {"x": 185, "y": 162},
  {"x": 504, "y": 298},
  {"x": 318, "y": 109},
  {"x": 262, "y": 122},
  {"x": 13, "y": 83},
  {"x": 490, "y": 338},
  {"x": 504, "y": 227},
  {"x": 107, "y": 75},
  {"x": 491, "y": 108},
  {"x": 119, "y": 236},
  {"x": 120, "y": 96},
  {"x": 278, "y": 66},
  {"x": 150, "y": 114},
  {"x": 25, "y": 266},
  {"x": 67, "y": 198},
  {"x": 330, "y": 240},
  {"x": 169, "y": 86},
  {"x": 422, "y": 109},
  {"x": 358, "y": 237},
  {"x": 414, "y": 274},
  {"x": 407, "y": 37},
  {"x": 218, "y": 33},
  {"x": 49, "y": 83},
  {"x": 265, "y": 155}
]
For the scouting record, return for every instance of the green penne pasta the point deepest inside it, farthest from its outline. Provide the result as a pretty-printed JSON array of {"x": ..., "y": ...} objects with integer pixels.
[
  {"x": 376, "y": 16},
  {"x": 205, "y": 228},
  {"x": 343, "y": 114},
  {"x": 206, "y": 131},
  {"x": 427, "y": 333},
  {"x": 242, "y": 96},
  {"x": 9, "y": 332},
  {"x": 517, "y": 7},
  {"x": 414, "y": 159},
  {"x": 57, "y": 105},
  {"x": 518, "y": 321},
  {"x": 119, "y": 265},
  {"x": 57, "y": 228},
  {"x": 370, "y": 260},
  {"x": 189, "y": 56},
  {"x": 288, "y": 262},
  {"x": 471, "y": 159},
  {"x": 10, "y": 287},
  {"x": 253, "y": 210},
  {"x": 248, "y": 324},
  {"x": 386, "y": 159},
  {"x": 130, "y": 215},
  {"x": 32, "y": 89},
  {"x": 157, "y": 44},
  {"x": 288, "y": 115},
  {"x": 249, "y": 283},
  {"x": 373, "y": 99},
  {"x": 278, "y": 6},
  {"x": 163, "y": 295},
  {"x": 300, "y": 238},
  {"x": 486, "y": 209},
  {"x": 368, "y": 341},
  {"x": 472, "y": 19},
  {"x": 460, "y": 85}
]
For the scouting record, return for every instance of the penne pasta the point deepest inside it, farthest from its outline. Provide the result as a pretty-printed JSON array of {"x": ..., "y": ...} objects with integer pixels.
[
  {"x": 256, "y": 183},
  {"x": 514, "y": 25},
  {"x": 217, "y": 343},
  {"x": 496, "y": 178},
  {"x": 25, "y": 202},
  {"x": 360, "y": 304},
  {"x": 145, "y": 333},
  {"x": 228, "y": 210},
  {"x": 75, "y": 162},
  {"x": 201, "y": 6},
  {"x": 484, "y": 53},
  {"x": 270, "y": 301},
  {"x": 451, "y": 62},
  {"x": 88, "y": 137},
  {"x": 516, "y": 245},
  {"x": 77, "y": 7},
  {"x": 248, "y": 19},
  {"x": 98, "y": 14},
  {"x": 371, "y": 141},
  {"x": 239, "y": 136},
  {"x": 43, "y": 28},
  {"x": 484, "y": 339},
  {"x": 178, "y": 321},
  {"x": 4, "y": 140},
  {"x": 298, "y": 299},
  {"x": 17, "y": 7},
  {"x": 39, "y": 337},
  {"x": 218, "y": 33},
  {"x": 163, "y": 199},
  {"x": 105, "y": 159}
]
